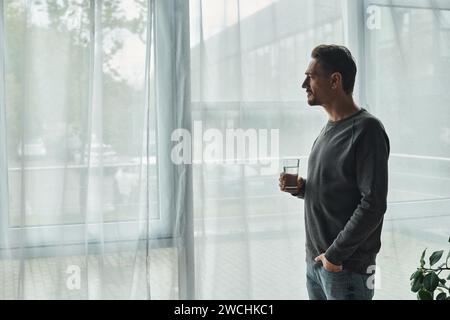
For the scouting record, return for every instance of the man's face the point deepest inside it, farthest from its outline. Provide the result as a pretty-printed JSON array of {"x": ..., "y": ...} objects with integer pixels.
[{"x": 317, "y": 84}]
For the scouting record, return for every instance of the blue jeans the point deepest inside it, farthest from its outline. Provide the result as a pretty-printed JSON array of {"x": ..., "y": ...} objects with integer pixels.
[{"x": 344, "y": 285}]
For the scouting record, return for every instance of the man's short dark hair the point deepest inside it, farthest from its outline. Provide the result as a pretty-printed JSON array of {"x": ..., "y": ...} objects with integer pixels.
[{"x": 334, "y": 58}]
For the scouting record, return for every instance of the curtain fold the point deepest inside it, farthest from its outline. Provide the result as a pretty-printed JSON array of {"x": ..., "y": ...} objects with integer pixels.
[{"x": 3, "y": 143}]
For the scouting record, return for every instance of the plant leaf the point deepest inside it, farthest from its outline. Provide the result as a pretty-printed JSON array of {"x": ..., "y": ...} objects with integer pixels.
[
  {"x": 441, "y": 296},
  {"x": 415, "y": 275},
  {"x": 422, "y": 260},
  {"x": 435, "y": 257},
  {"x": 424, "y": 295},
  {"x": 443, "y": 281},
  {"x": 448, "y": 257},
  {"x": 431, "y": 281},
  {"x": 448, "y": 278},
  {"x": 417, "y": 283}
]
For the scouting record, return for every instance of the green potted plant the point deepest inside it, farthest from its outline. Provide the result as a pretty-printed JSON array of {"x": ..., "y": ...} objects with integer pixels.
[{"x": 430, "y": 283}]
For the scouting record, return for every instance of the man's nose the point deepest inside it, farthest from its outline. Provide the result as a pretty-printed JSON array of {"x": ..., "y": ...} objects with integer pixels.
[{"x": 304, "y": 84}]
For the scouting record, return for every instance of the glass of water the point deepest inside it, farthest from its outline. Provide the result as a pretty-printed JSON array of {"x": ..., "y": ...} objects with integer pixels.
[{"x": 290, "y": 170}]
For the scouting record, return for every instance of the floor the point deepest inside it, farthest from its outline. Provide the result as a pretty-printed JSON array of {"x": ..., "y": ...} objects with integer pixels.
[{"x": 250, "y": 258}]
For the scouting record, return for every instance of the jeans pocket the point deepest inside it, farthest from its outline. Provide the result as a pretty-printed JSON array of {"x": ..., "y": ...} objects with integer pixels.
[{"x": 342, "y": 272}]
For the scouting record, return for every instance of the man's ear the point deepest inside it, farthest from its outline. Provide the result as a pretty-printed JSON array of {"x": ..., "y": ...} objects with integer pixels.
[{"x": 336, "y": 80}]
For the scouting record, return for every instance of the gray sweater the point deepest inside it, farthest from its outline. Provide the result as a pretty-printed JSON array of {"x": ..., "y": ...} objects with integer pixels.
[{"x": 345, "y": 192}]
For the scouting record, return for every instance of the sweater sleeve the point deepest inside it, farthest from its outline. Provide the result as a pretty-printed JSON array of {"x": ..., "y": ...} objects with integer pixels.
[{"x": 372, "y": 154}]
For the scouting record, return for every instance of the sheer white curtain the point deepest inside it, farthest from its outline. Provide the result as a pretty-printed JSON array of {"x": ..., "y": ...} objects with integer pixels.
[
  {"x": 92, "y": 205},
  {"x": 248, "y": 61},
  {"x": 89, "y": 207},
  {"x": 407, "y": 81}
]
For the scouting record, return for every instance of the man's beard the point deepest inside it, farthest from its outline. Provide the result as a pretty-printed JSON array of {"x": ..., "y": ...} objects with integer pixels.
[{"x": 312, "y": 101}]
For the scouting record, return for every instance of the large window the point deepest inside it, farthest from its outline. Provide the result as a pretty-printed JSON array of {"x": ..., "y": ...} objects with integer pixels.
[
  {"x": 88, "y": 189},
  {"x": 76, "y": 103}
]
